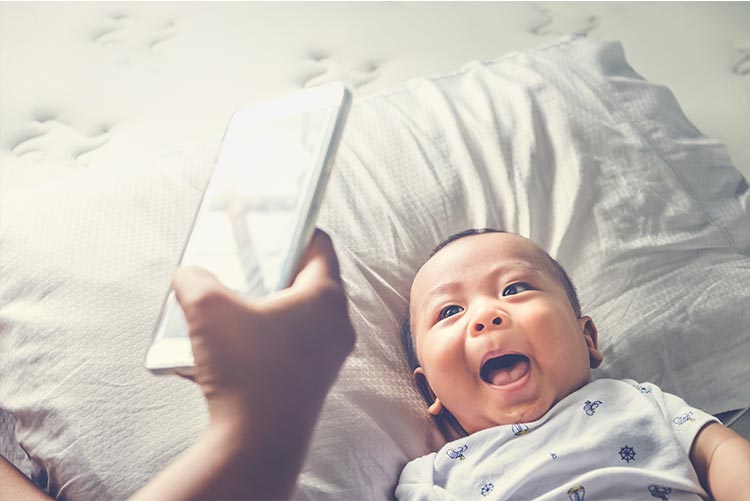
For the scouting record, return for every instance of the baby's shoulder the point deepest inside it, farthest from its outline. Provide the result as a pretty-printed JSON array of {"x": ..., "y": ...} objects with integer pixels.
[
  {"x": 455, "y": 450},
  {"x": 418, "y": 470},
  {"x": 602, "y": 396}
]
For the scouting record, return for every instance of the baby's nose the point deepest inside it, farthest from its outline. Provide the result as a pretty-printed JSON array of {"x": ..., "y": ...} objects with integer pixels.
[{"x": 480, "y": 326}]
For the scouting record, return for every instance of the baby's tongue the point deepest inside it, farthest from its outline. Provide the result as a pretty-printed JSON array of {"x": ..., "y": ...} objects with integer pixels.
[{"x": 513, "y": 368}]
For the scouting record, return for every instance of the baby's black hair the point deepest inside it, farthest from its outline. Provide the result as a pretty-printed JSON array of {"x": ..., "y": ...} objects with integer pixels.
[{"x": 555, "y": 268}]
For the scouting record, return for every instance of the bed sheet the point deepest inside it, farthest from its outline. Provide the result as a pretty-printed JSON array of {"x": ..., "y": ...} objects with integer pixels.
[{"x": 80, "y": 81}]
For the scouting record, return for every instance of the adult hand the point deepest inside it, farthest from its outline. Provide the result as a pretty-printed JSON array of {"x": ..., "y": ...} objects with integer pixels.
[
  {"x": 265, "y": 368},
  {"x": 273, "y": 358}
]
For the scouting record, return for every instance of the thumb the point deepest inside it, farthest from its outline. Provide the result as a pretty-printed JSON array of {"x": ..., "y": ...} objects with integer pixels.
[
  {"x": 194, "y": 287},
  {"x": 319, "y": 262}
]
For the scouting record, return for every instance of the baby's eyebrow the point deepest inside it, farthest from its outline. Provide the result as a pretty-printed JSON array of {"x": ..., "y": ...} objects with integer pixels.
[
  {"x": 440, "y": 290},
  {"x": 452, "y": 287}
]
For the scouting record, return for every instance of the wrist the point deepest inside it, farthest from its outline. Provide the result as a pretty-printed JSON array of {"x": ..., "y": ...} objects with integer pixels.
[
  {"x": 235, "y": 412},
  {"x": 239, "y": 428},
  {"x": 266, "y": 455}
]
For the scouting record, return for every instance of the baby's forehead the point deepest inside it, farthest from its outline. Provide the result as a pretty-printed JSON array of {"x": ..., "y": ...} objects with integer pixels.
[{"x": 503, "y": 250}]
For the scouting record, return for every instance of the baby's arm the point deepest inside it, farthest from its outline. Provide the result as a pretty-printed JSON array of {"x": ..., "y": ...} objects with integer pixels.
[{"x": 721, "y": 458}]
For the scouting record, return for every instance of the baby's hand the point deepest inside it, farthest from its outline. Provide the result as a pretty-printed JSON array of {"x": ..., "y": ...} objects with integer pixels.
[{"x": 264, "y": 362}]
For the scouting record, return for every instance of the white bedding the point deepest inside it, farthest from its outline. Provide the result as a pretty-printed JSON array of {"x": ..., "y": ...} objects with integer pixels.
[{"x": 101, "y": 171}]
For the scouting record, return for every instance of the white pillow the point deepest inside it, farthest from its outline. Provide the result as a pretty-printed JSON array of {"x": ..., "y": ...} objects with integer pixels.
[
  {"x": 564, "y": 144},
  {"x": 567, "y": 145}
]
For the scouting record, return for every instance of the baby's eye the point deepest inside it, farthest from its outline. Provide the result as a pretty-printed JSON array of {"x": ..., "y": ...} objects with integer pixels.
[
  {"x": 516, "y": 288},
  {"x": 449, "y": 311}
]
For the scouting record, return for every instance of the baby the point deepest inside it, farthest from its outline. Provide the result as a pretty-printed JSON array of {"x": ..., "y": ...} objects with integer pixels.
[{"x": 500, "y": 349}]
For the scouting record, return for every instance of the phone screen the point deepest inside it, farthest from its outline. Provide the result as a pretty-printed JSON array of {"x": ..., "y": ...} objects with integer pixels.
[{"x": 259, "y": 207}]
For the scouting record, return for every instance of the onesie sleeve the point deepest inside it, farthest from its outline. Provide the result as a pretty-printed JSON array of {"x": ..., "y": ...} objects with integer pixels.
[
  {"x": 417, "y": 482},
  {"x": 684, "y": 420}
]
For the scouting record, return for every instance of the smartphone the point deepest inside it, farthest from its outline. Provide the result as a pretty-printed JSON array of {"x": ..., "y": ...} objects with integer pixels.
[{"x": 258, "y": 211}]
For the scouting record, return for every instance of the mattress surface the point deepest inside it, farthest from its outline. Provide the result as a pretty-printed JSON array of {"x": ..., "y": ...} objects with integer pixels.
[{"x": 77, "y": 76}]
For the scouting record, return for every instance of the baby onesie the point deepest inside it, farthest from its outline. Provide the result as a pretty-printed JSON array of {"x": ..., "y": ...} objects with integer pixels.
[{"x": 612, "y": 439}]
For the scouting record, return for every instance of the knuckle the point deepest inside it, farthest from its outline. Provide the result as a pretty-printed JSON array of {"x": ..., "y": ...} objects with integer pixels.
[{"x": 325, "y": 237}]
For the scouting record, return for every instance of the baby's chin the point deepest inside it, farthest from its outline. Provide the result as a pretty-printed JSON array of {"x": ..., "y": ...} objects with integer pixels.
[{"x": 533, "y": 409}]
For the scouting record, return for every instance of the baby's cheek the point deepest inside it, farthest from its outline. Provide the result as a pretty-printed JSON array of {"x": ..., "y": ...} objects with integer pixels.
[
  {"x": 442, "y": 354},
  {"x": 544, "y": 319}
]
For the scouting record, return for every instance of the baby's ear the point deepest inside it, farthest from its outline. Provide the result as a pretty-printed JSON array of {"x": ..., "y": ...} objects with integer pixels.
[
  {"x": 435, "y": 407},
  {"x": 591, "y": 335}
]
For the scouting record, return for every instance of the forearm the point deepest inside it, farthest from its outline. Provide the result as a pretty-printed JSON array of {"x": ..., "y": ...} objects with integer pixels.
[
  {"x": 235, "y": 462},
  {"x": 729, "y": 470},
  {"x": 16, "y": 486},
  {"x": 200, "y": 472}
]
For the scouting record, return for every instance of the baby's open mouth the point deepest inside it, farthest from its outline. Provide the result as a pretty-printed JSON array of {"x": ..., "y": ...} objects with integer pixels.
[{"x": 505, "y": 369}]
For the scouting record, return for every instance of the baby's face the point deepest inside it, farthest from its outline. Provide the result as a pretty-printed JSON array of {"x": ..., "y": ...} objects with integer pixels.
[{"x": 495, "y": 334}]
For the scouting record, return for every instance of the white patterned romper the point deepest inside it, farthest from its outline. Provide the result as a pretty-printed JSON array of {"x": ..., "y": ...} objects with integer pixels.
[{"x": 612, "y": 439}]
